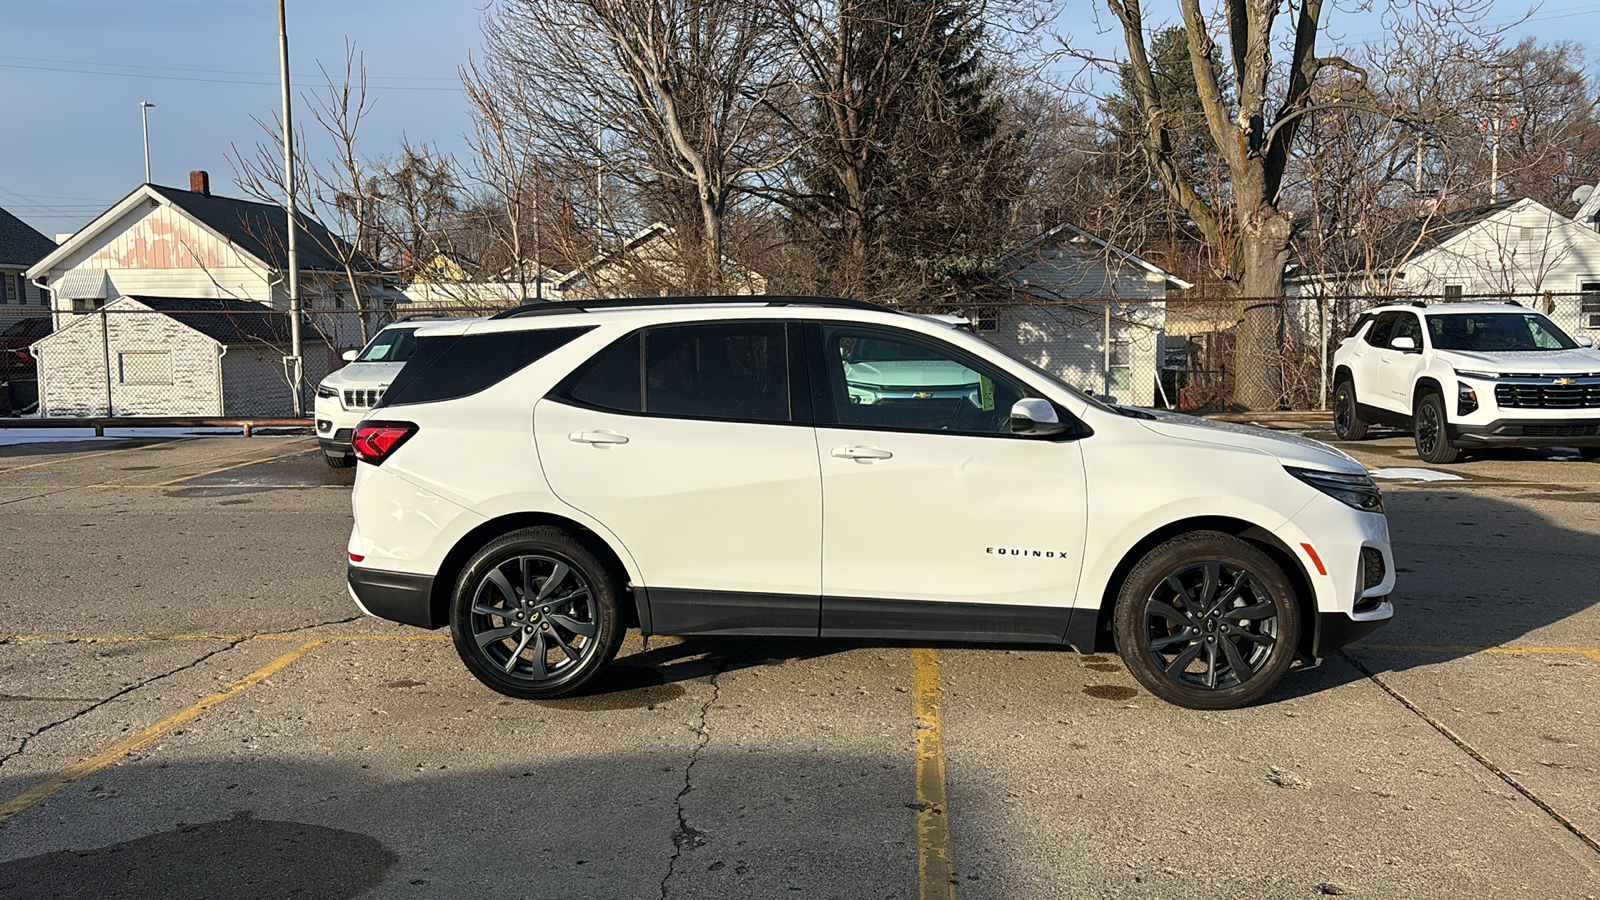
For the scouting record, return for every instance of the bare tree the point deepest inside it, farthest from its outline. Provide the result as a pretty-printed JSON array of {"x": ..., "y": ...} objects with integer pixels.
[{"x": 674, "y": 96}]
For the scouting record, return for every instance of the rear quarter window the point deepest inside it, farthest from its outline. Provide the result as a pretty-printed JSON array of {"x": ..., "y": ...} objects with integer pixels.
[{"x": 452, "y": 366}]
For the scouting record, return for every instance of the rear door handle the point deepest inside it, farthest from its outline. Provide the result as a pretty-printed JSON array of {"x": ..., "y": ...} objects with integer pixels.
[
  {"x": 861, "y": 453},
  {"x": 597, "y": 437}
]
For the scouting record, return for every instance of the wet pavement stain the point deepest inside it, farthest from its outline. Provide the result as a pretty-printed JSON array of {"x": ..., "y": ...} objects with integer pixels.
[
  {"x": 239, "y": 857},
  {"x": 1110, "y": 692},
  {"x": 1103, "y": 667},
  {"x": 622, "y": 687}
]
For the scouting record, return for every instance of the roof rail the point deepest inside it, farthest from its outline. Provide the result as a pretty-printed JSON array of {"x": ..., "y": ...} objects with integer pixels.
[
  {"x": 1418, "y": 303},
  {"x": 570, "y": 306},
  {"x": 1512, "y": 302},
  {"x": 414, "y": 316}
]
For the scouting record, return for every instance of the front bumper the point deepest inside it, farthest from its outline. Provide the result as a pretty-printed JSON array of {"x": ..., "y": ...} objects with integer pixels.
[
  {"x": 1528, "y": 432},
  {"x": 1336, "y": 629},
  {"x": 397, "y": 596}
]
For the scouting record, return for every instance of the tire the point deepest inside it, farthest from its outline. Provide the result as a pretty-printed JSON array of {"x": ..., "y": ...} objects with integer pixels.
[
  {"x": 534, "y": 615},
  {"x": 1192, "y": 647},
  {"x": 347, "y": 461},
  {"x": 1431, "y": 431},
  {"x": 1345, "y": 422}
]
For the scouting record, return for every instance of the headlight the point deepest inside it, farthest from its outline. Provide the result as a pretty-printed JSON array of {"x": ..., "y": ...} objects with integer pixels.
[
  {"x": 1486, "y": 376},
  {"x": 1358, "y": 491},
  {"x": 327, "y": 393}
]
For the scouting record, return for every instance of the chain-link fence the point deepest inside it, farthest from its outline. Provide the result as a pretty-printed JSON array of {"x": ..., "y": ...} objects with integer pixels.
[
  {"x": 1216, "y": 355},
  {"x": 216, "y": 358}
]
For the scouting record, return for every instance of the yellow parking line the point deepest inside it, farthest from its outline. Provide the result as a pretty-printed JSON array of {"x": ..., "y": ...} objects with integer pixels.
[
  {"x": 252, "y": 462},
  {"x": 52, "y": 462},
  {"x": 1593, "y": 652},
  {"x": 935, "y": 862},
  {"x": 128, "y": 745}
]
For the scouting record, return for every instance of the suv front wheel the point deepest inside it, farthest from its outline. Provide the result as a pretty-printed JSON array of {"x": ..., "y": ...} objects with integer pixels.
[
  {"x": 1207, "y": 621},
  {"x": 534, "y": 615},
  {"x": 1431, "y": 430},
  {"x": 1346, "y": 424}
]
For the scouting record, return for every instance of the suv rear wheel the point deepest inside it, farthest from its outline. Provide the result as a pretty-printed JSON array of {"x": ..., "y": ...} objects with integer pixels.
[
  {"x": 534, "y": 615},
  {"x": 1346, "y": 424},
  {"x": 1431, "y": 431},
  {"x": 342, "y": 461},
  {"x": 1207, "y": 621}
]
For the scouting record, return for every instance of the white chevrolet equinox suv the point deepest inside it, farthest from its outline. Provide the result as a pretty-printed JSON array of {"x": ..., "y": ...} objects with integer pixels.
[
  {"x": 545, "y": 479},
  {"x": 1467, "y": 375}
]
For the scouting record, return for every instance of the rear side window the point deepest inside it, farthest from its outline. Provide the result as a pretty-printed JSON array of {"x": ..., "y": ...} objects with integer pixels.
[
  {"x": 736, "y": 371},
  {"x": 1382, "y": 327},
  {"x": 451, "y": 366}
]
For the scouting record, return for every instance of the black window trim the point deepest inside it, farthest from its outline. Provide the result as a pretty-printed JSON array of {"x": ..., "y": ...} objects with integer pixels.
[
  {"x": 801, "y": 413},
  {"x": 822, "y": 395}
]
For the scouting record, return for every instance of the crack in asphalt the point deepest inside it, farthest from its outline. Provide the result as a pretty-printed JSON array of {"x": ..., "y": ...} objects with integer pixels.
[
  {"x": 686, "y": 835},
  {"x": 1471, "y": 751},
  {"x": 27, "y": 738}
]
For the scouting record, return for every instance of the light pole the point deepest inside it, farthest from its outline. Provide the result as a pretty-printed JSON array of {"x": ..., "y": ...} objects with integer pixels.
[
  {"x": 144, "y": 119},
  {"x": 293, "y": 362}
]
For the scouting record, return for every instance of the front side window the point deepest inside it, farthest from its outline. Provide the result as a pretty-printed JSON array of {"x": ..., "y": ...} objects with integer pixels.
[
  {"x": 1382, "y": 328},
  {"x": 390, "y": 345},
  {"x": 736, "y": 371},
  {"x": 1490, "y": 332},
  {"x": 1407, "y": 326},
  {"x": 881, "y": 379}
]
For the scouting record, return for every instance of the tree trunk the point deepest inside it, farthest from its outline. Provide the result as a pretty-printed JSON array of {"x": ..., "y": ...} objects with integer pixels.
[{"x": 1258, "y": 349}]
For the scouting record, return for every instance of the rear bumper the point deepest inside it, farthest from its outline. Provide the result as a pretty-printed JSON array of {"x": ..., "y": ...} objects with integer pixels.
[
  {"x": 1528, "y": 433},
  {"x": 396, "y": 596}
]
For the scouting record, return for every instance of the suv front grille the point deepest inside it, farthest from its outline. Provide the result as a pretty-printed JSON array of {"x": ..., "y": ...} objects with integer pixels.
[
  {"x": 362, "y": 399},
  {"x": 1582, "y": 395},
  {"x": 1561, "y": 430}
]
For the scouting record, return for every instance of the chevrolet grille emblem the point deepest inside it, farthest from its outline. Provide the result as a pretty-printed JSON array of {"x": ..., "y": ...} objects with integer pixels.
[
  {"x": 922, "y": 395},
  {"x": 1566, "y": 381}
]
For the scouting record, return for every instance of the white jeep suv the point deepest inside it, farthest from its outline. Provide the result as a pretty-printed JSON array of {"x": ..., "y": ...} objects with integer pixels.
[
  {"x": 1467, "y": 375},
  {"x": 543, "y": 480},
  {"x": 346, "y": 395}
]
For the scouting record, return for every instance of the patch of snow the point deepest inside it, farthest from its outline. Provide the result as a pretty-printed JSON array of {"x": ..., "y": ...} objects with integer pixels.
[
  {"x": 60, "y": 435},
  {"x": 1415, "y": 474}
]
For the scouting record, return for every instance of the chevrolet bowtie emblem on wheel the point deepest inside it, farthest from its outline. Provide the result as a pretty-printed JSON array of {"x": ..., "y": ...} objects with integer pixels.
[{"x": 1566, "y": 381}]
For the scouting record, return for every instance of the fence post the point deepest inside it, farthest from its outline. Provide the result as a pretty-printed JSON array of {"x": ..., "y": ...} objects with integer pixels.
[
  {"x": 1322, "y": 351},
  {"x": 105, "y": 349},
  {"x": 1105, "y": 347}
]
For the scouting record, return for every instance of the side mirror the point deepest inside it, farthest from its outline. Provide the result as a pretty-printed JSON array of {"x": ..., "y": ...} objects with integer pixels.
[
  {"x": 350, "y": 355},
  {"x": 1035, "y": 417},
  {"x": 1585, "y": 341},
  {"x": 1407, "y": 344}
]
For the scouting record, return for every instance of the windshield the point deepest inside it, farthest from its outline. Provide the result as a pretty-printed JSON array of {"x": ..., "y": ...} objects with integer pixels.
[
  {"x": 1496, "y": 332},
  {"x": 27, "y": 328},
  {"x": 391, "y": 345}
]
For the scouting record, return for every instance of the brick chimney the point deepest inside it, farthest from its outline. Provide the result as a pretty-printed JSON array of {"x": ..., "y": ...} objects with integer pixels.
[{"x": 200, "y": 182}]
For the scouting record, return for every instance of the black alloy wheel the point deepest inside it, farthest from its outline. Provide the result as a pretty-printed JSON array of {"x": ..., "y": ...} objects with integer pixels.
[
  {"x": 1432, "y": 434},
  {"x": 1207, "y": 621},
  {"x": 534, "y": 615},
  {"x": 1346, "y": 424},
  {"x": 345, "y": 461}
]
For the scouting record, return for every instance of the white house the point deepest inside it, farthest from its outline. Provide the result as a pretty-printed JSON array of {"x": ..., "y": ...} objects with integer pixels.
[
  {"x": 167, "y": 356},
  {"x": 1511, "y": 247},
  {"x": 1085, "y": 310},
  {"x": 164, "y": 242},
  {"x": 647, "y": 263},
  {"x": 20, "y": 247}
]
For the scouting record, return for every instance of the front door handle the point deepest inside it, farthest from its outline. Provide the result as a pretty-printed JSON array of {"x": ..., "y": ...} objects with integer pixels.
[
  {"x": 597, "y": 437},
  {"x": 861, "y": 453}
]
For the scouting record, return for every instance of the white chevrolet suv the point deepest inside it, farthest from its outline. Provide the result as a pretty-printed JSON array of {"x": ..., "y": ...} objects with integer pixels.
[
  {"x": 1467, "y": 375},
  {"x": 545, "y": 479},
  {"x": 346, "y": 395}
]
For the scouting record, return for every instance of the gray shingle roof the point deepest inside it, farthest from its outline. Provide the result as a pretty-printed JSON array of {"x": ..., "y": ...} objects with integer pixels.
[
  {"x": 259, "y": 229},
  {"x": 20, "y": 245},
  {"x": 231, "y": 322}
]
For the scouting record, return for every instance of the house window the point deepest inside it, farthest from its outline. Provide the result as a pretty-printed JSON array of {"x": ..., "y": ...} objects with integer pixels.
[
  {"x": 1589, "y": 299},
  {"x": 90, "y": 304},
  {"x": 1452, "y": 292},
  {"x": 147, "y": 367}
]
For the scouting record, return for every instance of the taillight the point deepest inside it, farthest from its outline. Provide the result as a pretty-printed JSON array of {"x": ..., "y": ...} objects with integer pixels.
[{"x": 374, "y": 441}]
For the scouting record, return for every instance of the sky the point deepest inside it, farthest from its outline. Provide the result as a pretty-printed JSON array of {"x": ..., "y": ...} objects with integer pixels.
[{"x": 72, "y": 73}]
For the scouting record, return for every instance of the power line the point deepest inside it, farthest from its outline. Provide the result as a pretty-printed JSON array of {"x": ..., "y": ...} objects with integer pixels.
[{"x": 210, "y": 80}]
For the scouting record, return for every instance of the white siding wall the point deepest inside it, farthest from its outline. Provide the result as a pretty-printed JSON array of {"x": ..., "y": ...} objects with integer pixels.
[
  {"x": 1525, "y": 249},
  {"x": 158, "y": 367}
]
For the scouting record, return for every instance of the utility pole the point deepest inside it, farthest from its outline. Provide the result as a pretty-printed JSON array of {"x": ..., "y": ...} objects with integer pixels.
[
  {"x": 1496, "y": 125},
  {"x": 144, "y": 119},
  {"x": 292, "y": 364}
]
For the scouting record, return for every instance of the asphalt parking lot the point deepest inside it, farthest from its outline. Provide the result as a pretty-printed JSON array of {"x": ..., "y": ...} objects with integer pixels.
[{"x": 193, "y": 708}]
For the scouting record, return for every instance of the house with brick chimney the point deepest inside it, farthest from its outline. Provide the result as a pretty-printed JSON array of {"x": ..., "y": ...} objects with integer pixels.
[{"x": 162, "y": 241}]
